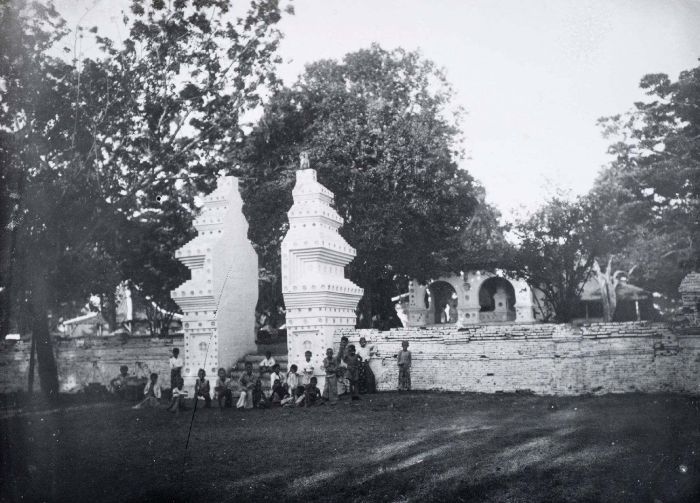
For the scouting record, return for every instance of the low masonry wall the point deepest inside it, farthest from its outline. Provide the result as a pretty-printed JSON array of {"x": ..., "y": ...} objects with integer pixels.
[
  {"x": 540, "y": 358},
  {"x": 87, "y": 360}
]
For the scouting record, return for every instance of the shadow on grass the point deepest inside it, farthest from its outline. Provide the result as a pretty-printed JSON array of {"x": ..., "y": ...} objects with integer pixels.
[{"x": 423, "y": 447}]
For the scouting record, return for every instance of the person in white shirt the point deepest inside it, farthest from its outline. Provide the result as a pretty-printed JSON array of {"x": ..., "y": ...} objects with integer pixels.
[
  {"x": 176, "y": 365},
  {"x": 178, "y": 401},
  {"x": 367, "y": 383},
  {"x": 267, "y": 363},
  {"x": 307, "y": 369}
]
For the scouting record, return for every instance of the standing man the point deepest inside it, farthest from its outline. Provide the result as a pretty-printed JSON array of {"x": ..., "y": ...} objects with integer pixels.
[{"x": 176, "y": 365}]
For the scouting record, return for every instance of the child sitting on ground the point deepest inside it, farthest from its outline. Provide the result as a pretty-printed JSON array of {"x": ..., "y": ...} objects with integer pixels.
[
  {"x": 267, "y": 363},
  {"x": 201, "y": 388},
  {"x": 118, "y": 384},
  {"x": 151, "y": 392},
  {"x": 222, "y": 392},
  {"x": 312, "y": 395},
  {"x": 279, "y": 393},
  {"x": 276, "y": 375},
  {"x": 259, "y": 399},
  {"x": 248, "y": 383},
  {"x": 177, "y": 403},
  {"x": 292, "y": 381}
]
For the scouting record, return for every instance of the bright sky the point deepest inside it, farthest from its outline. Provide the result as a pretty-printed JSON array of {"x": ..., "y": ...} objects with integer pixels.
[{"x": 534, "y": 76}]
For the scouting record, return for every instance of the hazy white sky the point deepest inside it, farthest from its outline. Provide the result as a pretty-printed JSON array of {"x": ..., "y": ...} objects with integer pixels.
[{"x": 534, "y": 76}]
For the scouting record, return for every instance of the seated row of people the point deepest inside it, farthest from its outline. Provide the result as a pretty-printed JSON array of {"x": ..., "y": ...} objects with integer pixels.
[{"x": 294, "y": 389}]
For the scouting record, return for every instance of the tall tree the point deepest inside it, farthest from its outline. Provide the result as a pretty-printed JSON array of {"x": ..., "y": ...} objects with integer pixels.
[
  {"x": 650, "y": 191},
  {"x": 557, "y": 248},
  {"x": 106, "y": 155},
  {"x": 381, "y": 132}
]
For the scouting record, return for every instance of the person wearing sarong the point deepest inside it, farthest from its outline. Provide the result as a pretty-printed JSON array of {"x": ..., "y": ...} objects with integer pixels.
[
  {"x": 330, "y": 388},
  {"x": 176, "y": 364},
  {"x": 353, "y": 363},
  {"x": 404, "y": 362},
  {"x": 247, "y": 383},
  {"x": 367, "y": 383}
]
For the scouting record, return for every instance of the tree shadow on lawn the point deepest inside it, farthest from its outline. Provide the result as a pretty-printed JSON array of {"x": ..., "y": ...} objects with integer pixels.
[{"x": 422, "y": 447}]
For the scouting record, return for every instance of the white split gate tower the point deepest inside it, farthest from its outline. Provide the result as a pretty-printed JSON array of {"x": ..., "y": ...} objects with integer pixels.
[
  {"x": 219, "y": 300},
  {"x": 318, "y": 298}
]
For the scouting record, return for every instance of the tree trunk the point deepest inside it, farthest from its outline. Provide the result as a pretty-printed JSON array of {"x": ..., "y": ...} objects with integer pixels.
[
  {"x": 48, "y": 372},
  {"x": 109, "y": 308},
  {"x": 608, "y": 286}
]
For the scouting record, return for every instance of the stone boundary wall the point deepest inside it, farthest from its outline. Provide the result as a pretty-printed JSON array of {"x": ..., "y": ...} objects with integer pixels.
[
  {"x": 540, "y": 358},
  {"x": 86, "y": 360}
]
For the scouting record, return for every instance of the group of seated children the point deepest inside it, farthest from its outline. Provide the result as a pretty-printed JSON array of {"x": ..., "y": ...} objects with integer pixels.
[{"x": 297, "y": 388}]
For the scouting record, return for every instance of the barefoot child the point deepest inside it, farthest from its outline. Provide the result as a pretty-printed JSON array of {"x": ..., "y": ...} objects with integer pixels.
[
  {"x": 330, "y": 388},
  {"x": 177, "y": 403},
  {"x": 311, "y": 396},
  {"x": 221, "y": 390},
  {"x": 404, "y": 361},
  {"x": 247, "y": 383},
  {"x": 353, "y": 363},
  {"x": 202, "y": 388}
]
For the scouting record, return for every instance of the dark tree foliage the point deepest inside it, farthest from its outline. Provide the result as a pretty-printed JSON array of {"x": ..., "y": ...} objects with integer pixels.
[
  {"x": 557, "y": 248},
  {"x": 102, "y": 158},
  {"x": 650, "y": 193},
  {"x": 379, "y": 131}
]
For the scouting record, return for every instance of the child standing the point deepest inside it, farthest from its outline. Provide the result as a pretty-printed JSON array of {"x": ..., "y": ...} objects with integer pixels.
[
  {"x": 221, "y": 390},
  {"x": 176, "y": 365},
  {"x": 151, "y": 392},
  {"x": 307, "y": 370},
  {"x": 404, "y": 361},
  {"x": 353, "y": 363},
  {"x": 292, "y": 380},
  {"x": 330, "y": 388},
  {"x": 367, "y": 381},
  {"x": 201, "y": 388}
]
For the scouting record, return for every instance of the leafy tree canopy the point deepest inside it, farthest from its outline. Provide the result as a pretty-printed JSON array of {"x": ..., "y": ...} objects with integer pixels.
[
  {"x": 102, "y": 158},
  {"x": 381, "y": 132},
  {"x": 557, "y": 248},
  {"x": 649, "y": 194}
]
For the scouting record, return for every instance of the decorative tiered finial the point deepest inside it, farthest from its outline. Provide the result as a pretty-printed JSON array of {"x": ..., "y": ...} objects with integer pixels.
[{"x": 304, "y": 160}]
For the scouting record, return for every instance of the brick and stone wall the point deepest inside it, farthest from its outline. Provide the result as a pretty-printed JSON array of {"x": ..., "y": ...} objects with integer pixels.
[
  {"x": 83, "y": 361},
  {"x": 541, "y": 358}
]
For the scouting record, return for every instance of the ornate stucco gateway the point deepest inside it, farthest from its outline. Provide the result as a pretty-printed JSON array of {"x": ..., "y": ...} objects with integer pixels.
[{"x": 473, "y": 297}]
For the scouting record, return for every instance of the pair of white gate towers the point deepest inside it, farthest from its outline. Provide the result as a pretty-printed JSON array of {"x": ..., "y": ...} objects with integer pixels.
[{"x": 219, "y": 300}]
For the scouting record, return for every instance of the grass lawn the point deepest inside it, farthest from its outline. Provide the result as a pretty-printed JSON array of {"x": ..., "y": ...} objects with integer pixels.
[{"x": 388, "y": 447}]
